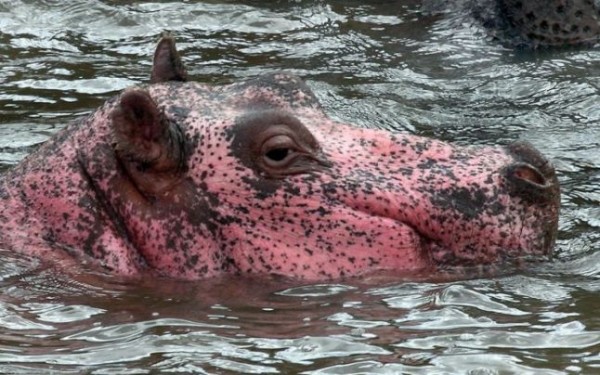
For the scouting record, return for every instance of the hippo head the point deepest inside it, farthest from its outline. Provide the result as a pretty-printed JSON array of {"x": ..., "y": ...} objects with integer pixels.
[{"x": 190, "y": 181}]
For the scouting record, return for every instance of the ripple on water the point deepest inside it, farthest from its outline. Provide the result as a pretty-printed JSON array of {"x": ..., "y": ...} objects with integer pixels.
[
  {"x": 307, "y": 349},
  {"x": 316, "y": 290},
  {"x": 459, "y": 363},
  {"x": 514, "y": 340}
]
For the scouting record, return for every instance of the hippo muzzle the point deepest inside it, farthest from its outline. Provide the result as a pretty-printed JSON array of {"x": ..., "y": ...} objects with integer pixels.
[
  {"x": 530, "y": 178},
  {"x": 190, "y": 181},
  {"x": 429, "y": 203}
]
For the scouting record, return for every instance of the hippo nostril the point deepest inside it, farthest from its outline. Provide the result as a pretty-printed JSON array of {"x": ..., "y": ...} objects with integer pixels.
[
  {"x": 532, "y": 177},
  {"x": 528, "y": 183},
  {"x": 524, "y": 152},
  {"x": 527, "y": 173}
]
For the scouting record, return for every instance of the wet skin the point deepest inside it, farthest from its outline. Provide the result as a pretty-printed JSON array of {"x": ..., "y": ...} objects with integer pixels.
[
  {"x": 532, "y": 24},
  {"x": 186, "y": 180}
]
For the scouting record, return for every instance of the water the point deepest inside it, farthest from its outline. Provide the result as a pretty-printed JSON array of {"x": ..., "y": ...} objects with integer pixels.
[{"x": 378, "y": 64}]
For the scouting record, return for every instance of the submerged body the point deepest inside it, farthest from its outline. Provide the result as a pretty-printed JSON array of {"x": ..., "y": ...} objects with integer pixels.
[
  {"x": 190, "y": 181},
  {"x": 531, "y": 24}
]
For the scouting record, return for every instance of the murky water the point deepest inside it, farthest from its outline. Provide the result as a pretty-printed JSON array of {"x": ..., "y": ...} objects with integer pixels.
[{"x": 375, "y": 63}]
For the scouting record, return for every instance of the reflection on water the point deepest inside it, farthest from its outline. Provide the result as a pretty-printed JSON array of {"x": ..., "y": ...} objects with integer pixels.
[
  {"x": 516, "y": 324},
  {"x": 378, "y": 64}
]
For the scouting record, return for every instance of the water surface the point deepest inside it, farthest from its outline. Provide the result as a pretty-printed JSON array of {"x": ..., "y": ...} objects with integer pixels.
[{"x": 379, "y": 64}]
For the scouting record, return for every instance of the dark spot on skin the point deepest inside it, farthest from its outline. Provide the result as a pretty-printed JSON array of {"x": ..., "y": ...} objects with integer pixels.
[
  {"x": 534, "y": 25},
  {"x": 321, "y": 211},
  {"x": 263, "y": 188},
  {"x": 3, "y": 193},
  {"x": 467, "y": 202},
  {"x": 179, "y": 113},
  {"x": 556, "y": 28},
  {"x": 192, "y": 261}
]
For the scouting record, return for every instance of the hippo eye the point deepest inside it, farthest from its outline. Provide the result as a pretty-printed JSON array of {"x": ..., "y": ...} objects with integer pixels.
[
  {"x": 278, "y": 154},
  {"x": 276, "y": 145},
  {"x": 279, "y": 151}
]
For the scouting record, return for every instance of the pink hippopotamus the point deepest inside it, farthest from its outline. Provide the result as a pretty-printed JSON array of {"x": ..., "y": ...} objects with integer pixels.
[{"x": 187, "y": 180}]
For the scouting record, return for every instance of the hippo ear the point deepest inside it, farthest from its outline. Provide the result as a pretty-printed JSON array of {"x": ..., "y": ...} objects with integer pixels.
[
  {"x": 140, "y": 130},
  {"x": 167, "y": 65}
]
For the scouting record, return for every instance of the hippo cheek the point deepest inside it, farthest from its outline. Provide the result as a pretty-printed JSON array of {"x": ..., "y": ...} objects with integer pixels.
[
  {"x": 175, "y": 231},
  {"x": 318, "y": 242}
]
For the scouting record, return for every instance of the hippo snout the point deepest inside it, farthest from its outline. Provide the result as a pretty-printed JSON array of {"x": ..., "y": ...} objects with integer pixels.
[{"x": 531, "y": 177}]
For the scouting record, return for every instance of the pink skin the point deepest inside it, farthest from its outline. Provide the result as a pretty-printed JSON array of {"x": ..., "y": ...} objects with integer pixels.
[{"x": 191, "y": 181}]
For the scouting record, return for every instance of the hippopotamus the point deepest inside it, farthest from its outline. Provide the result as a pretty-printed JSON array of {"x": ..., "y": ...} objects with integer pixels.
[
  {"x": 531, "y": 24},
  {"x": 185, "y": 180}
]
